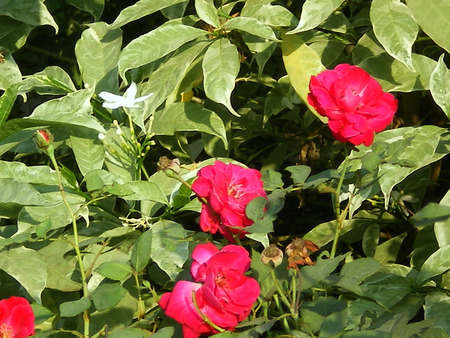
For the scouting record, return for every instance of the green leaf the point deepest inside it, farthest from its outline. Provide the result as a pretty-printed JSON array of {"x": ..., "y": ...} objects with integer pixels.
[
  {"x": 20, "y": 192},
  {"x": 188, "y": 117},
  {"x": 255, "y": 208},
  {"x": 7, "y": 101},
  {"x": 220, "y": 67},
  {"x": 168, "y": 77},
  {"x": 140, "y": 256},
  {"x": 169, "y": 247},
  {"x": 354, "y": 273},
  {"x": 108, "y": 295},
  {"x": 272, "y": 179},
  {"x": 9, "y": 71},
  {"x": 437, "y": 307},
  {"x": 139, "y": 333},
  {"x": 157, "y": 43},
  {"x": 430, "y": 214},
  {"x": 430, "y": 15},
  {"x": 387, "y": 289},
  {"x": 88, "y": 150},
  {"x": 60, "y": 267},
  {"x": 301, "y": 62},
  {"x": 299, "y": 173},
  {"x": 442, "y": 228},
  {"x": 387, "y": 251},
  {"x": 14, "y": 33},
  {"x": 27, "y": 267},
  {"x": 114, "y": 270},
  {"x": 32, "y": 12},
  {"x": 395, "y": 28},
  {"x": 314, "y": 12},
  {"x": 312, "y": 276},
  {"x": 370, "y": 240},
  {"x": 94, "y": 7},
  {"x": 73, "y": 308},
  {"x": 252, "y": 26},
  {"x": 140, "y": 9},
  {"x": 439, "y": 84},
  {"x": 264, "y": 12},
  {"x": 97, "y": 53},
  {"x": 52, "y": 80},
  {"x": 207, "y": 12},
  {"x": 436, "y": 264},
  {"x": 139, "y": 190}
]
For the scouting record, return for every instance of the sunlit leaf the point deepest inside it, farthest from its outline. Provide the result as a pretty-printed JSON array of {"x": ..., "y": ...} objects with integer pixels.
[
  {"x": 107, "y": 295},
  {"x": 252, "y": 26},
  {"x": 7, "y": 101},
  {"x": 9, "y": 71},
  {"x": 395, "y": 28},
  {"x": 169, "y": 247},
  {"x": 140, "y": 9},
  {"x": 272, "y": 15},
  {"x": 88, "y": 150},
  {"x": 430, "y": 15},
  {"x": 156, "y": 44},
  {"x": 440, "y": 84},
  {"x": 32, "y": 12},
  {"x": 301, "y": 62},
  {"x": 188, "y": 117},
  {"x": 27, "y": 267},
  {"x": 221, "y": 67},
  {"x": 207, "y": 12},
  {"x": 314, "y": 12},
  {"x": 436, "y": 264},
  {"x": 53, "y": 80},
  {"x": 97, "y": 53}
]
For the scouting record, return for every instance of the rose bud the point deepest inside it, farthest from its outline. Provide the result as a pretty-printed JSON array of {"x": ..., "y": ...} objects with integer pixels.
[{"x": 43, "y": 138}]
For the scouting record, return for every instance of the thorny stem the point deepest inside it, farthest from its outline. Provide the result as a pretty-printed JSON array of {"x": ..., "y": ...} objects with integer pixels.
[
  {"x": 337, "y": 207},
  {"x": 51, "y": 154}
]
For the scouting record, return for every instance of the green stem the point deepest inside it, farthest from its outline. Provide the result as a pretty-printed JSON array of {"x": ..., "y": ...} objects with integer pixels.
[
  {"x": 280, "y": 291},
  {"x": 141, "y": 306},
  {"x": 337, "y": 207},
  {"x": 284, "y": 319},
  {"x": 51, "y": 154},
  {"x": 204, "y": 317}
]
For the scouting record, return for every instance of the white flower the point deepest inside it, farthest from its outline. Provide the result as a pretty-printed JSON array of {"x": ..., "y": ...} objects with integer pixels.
[{"x": 128, "y": 100}]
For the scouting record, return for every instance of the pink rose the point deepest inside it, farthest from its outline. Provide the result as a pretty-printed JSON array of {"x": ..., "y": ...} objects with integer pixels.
[
  {"x": 354, "y": 103},
  {"x": 16, "y": 318},
  {"x": 227, "y": 188},
  {"x": 223, "y": 293}
]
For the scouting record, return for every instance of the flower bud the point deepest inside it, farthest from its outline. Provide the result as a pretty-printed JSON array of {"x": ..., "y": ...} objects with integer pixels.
[
  {"x": 43, "y": 138},
  {"x": 272, "y": 254}
]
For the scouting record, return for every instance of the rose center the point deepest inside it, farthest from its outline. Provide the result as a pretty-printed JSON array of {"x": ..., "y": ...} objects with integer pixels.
[
  {"x": 234, "y": 190},
  {"x": 5, "y": 331}
]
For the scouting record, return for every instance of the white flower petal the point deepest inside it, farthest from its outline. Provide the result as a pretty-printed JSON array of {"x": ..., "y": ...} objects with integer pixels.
[
  {"x": 131, "y": 92},
  {"x": 109, "y": 96},
  {"x": 143, "y": 98}
]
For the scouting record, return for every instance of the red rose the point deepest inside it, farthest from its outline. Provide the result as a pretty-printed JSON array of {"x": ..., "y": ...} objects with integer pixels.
[
  {"x": 16, "y": 318},
  {"x": 354, "y": 103},
  {"x": 224, "y": 294},
  {"x": 227, "y": 188}
]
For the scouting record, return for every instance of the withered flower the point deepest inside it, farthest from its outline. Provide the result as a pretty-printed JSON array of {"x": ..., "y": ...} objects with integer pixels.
[
  {"x": 166, "y": 164},
  {"x": 272, "y": 254},
  {"x": 298, "y": 252}
]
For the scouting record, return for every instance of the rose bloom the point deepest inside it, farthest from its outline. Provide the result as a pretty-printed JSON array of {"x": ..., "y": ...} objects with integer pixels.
[
  {"x": 16, "y": 318},
  {"x": 222, "y": 292},
  {"x": 354, "y": 103},
  {"x": 227, "y": 188}
]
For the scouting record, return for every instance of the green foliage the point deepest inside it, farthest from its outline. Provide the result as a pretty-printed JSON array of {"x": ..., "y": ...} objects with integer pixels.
[{"x": 93, "y": 232}]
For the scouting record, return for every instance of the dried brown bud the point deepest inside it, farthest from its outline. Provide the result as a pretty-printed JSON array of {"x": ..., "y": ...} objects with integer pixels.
[
  {"x": 166, "y": 164},
  {"x": 272, "y": 254},
  {"x": 298, "y": 252}
]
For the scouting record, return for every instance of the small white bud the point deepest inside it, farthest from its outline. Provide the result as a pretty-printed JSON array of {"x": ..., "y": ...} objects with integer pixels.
[{"x": 101, "y": 136}]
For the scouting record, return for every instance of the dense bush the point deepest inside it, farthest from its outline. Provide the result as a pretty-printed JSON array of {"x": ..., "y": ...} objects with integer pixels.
[{"x": 158, "y": 157}]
